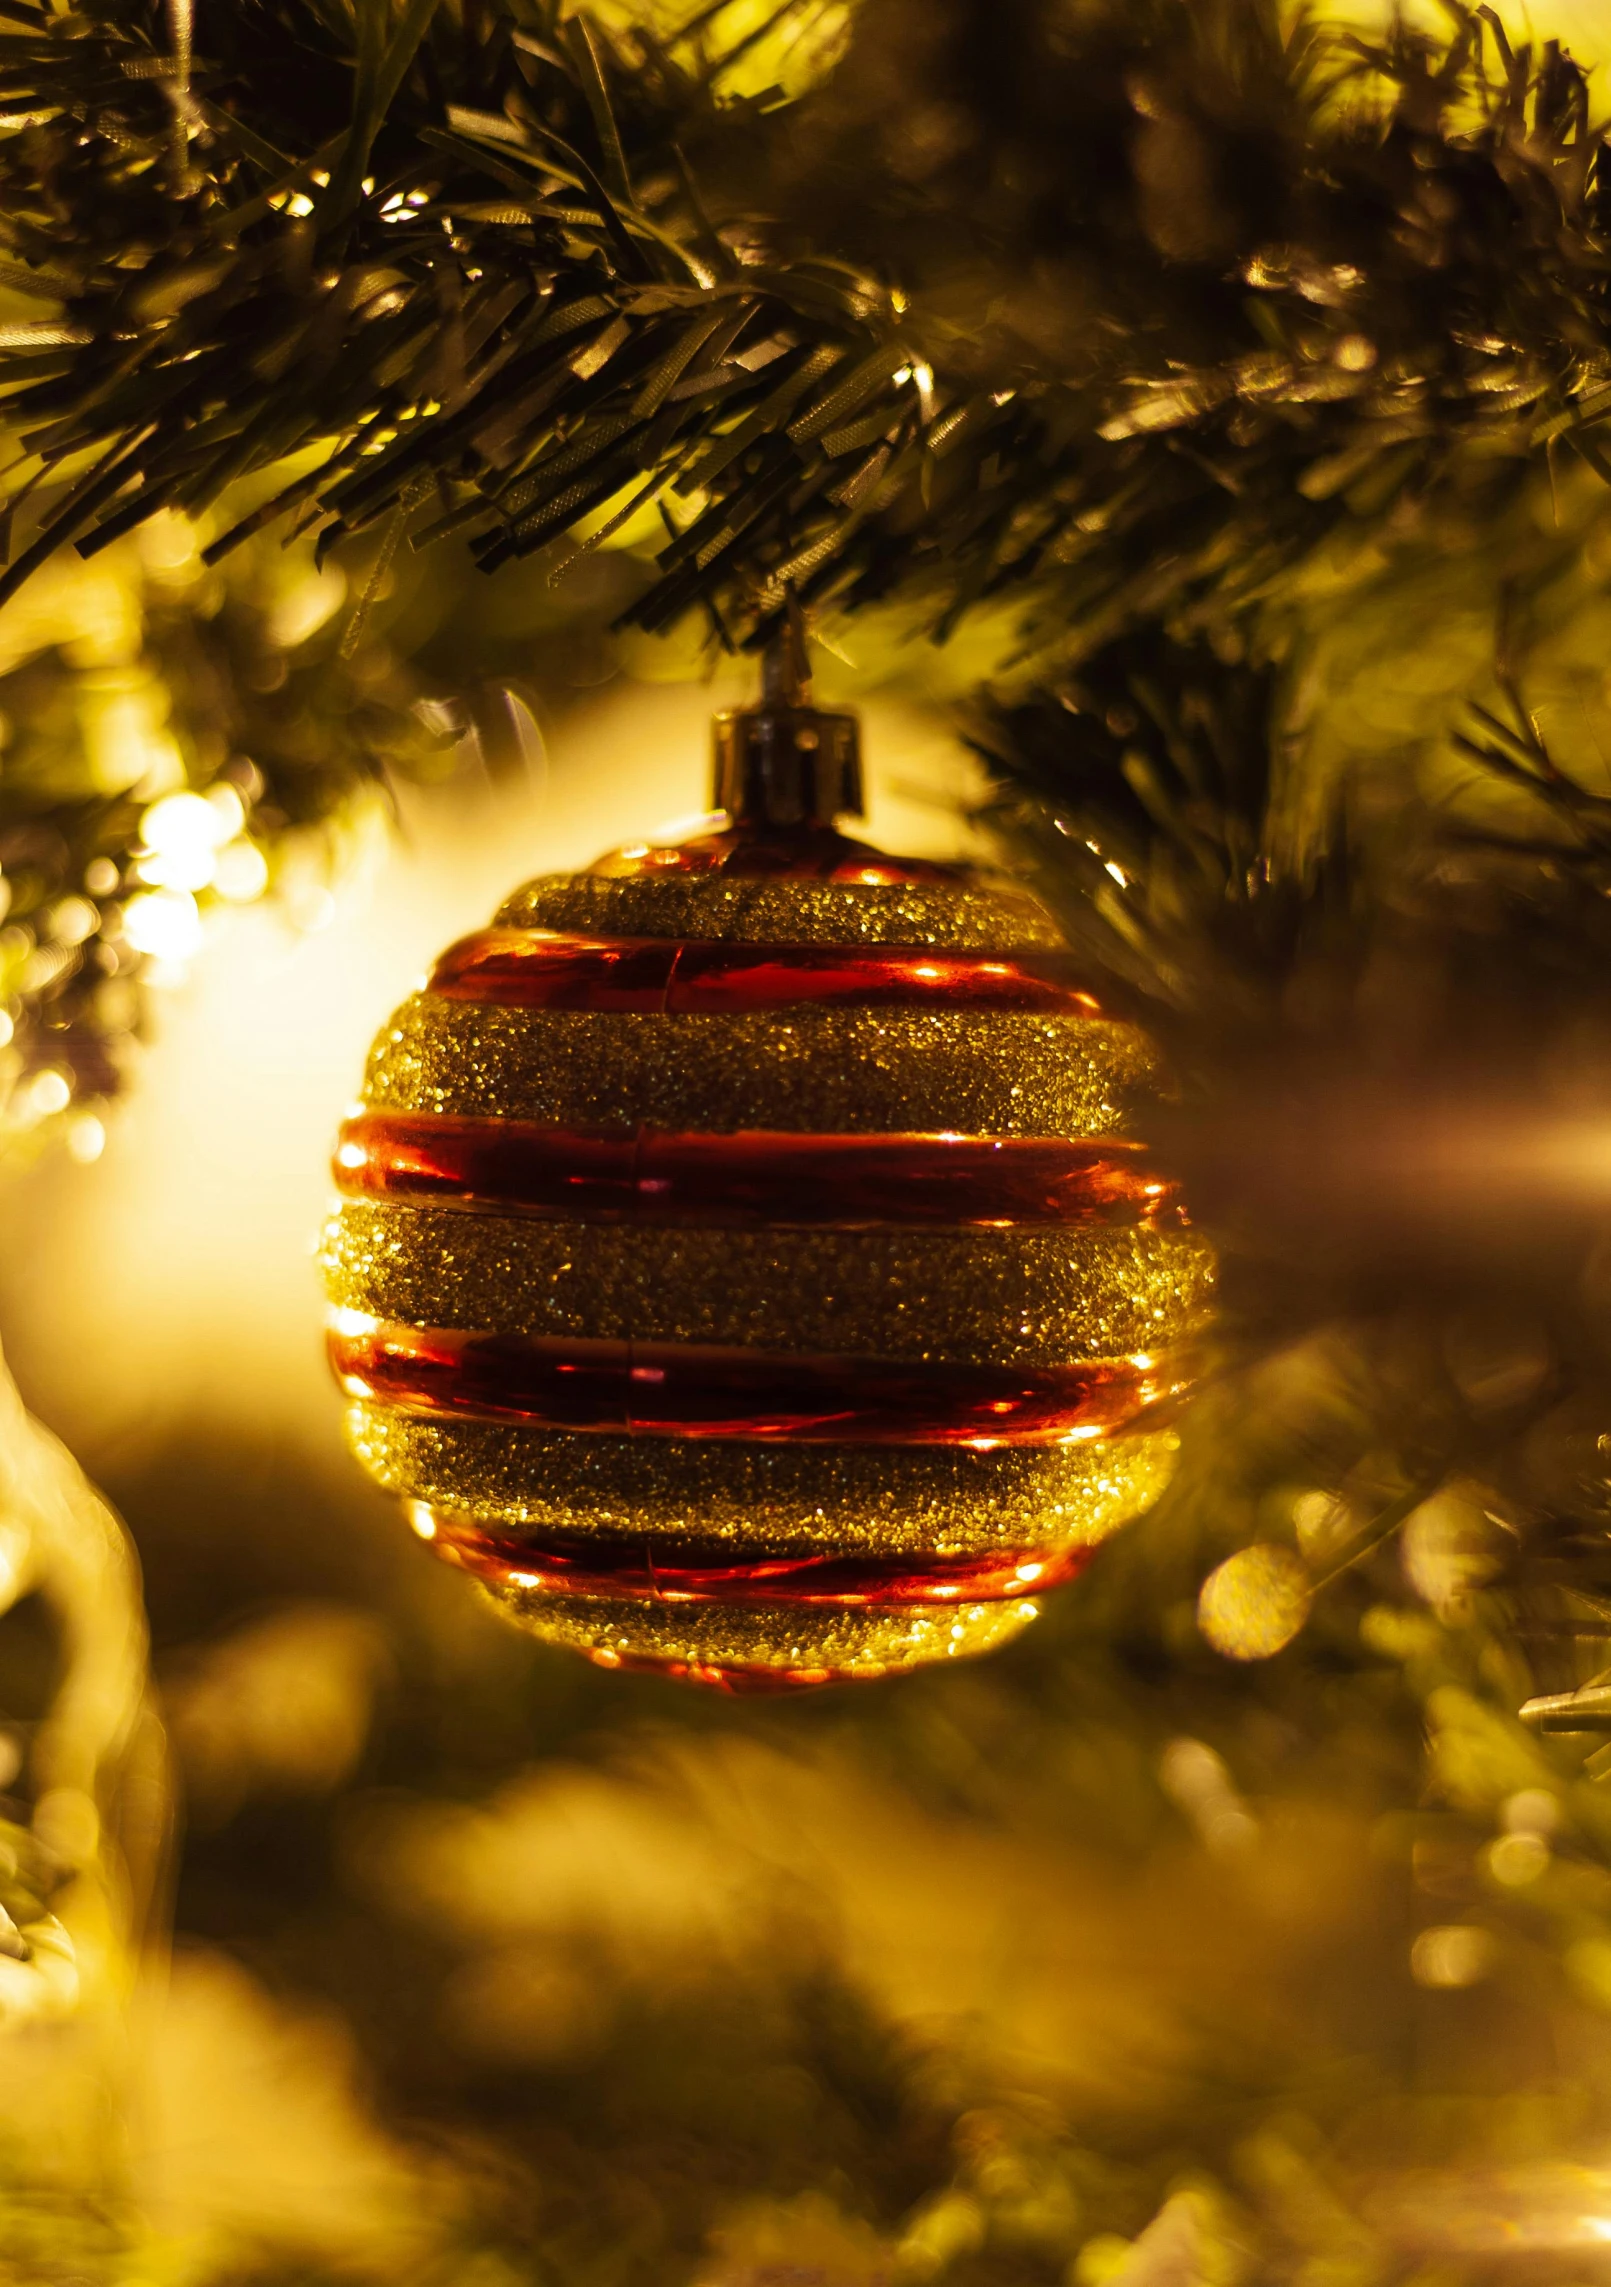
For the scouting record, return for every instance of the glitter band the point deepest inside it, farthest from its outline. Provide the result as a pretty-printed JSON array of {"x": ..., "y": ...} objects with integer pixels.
[
  {"x": 822, "y": 1070},
  {"x": 1046, "y": 1297},
  {"x": 745, "y": 1646},
  {"x": 783, "y": 911},
  {"x": 912, "y": 1500}
]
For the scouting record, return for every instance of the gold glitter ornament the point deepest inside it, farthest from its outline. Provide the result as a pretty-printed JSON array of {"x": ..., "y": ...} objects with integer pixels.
[{"x": 747, "y": 1265}]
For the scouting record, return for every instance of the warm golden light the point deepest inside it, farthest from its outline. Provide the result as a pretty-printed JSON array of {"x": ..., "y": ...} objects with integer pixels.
[
  {"x": 1453, "y": 1955},
  {"x": 165, "y": 923},
  {"x": 241, "y": 873},
  {"x": 1253, "y": 1604},
  {"x": 49, "y": 1092},
  {"x": 86, "y": 1139}
]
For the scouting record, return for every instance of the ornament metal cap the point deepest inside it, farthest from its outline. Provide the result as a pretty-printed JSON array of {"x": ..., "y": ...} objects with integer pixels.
[{"x": 786, "y": 762}]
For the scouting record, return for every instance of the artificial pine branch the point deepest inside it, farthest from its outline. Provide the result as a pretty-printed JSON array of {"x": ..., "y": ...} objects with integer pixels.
[{"x": 1128, "y": 320}]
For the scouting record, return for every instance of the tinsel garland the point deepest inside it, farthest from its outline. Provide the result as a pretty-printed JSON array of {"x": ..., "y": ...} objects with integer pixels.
[{"x": 1135, "y": 313}]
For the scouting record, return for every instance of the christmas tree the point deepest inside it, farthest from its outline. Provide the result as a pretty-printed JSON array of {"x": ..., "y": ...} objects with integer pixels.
[{"x": 1198, "y": 407}]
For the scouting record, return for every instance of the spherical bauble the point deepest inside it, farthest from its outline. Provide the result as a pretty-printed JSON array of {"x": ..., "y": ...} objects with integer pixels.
[{"x": 747, "y": 1266}]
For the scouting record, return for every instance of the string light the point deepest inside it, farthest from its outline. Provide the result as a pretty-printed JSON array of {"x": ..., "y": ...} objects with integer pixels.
[
  {"x": 166, "y": 923},
  {"x": 183, "y": 834},
  {"x": 48, "y": 1092},
  {"x": 241, "y": 873},
  {"x": 86, "y": 1139}
]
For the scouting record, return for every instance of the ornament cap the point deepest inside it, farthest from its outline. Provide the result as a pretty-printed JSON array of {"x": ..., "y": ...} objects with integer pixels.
[{"x": 786, "y": 762}]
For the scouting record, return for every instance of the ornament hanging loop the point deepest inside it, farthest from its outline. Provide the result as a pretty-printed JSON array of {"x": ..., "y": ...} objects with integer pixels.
[
  {"x": 786, "y": 763},
  {"x": 785, "y": 662}
]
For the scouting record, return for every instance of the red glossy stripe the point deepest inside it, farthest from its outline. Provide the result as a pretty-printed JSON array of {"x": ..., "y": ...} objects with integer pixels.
[
  {"x": 689, "y": 1390},
  {"x": 508, "y": 1165},
  {"x": 543, "y": 968},
  {"x": 671, "y": 1574},
  {"x": 796, "y": 853},
  {"x": 754, "y": 1177}
]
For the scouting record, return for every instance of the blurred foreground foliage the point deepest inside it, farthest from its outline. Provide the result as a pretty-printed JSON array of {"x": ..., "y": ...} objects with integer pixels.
[{"x": 1106, "y": 1951}]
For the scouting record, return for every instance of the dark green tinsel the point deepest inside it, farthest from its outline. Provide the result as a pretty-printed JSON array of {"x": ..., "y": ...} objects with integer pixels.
[{"x": 1129, "y": 308}]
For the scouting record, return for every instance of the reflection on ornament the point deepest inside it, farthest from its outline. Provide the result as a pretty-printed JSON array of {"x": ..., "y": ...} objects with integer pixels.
[{"x": 745, "y": 1268}]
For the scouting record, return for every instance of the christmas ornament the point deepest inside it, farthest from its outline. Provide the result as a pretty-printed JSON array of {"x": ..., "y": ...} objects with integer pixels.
[{"x": 745, "y": 1267}]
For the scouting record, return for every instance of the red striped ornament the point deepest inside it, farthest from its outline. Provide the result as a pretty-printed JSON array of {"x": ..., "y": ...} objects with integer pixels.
[{"x": 745, "y": 1270}]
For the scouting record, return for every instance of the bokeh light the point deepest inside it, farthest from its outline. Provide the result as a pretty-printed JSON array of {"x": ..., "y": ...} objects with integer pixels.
[
  {"x": 166, "y": 923},
  {"x": 1253, "y": 1604}
]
